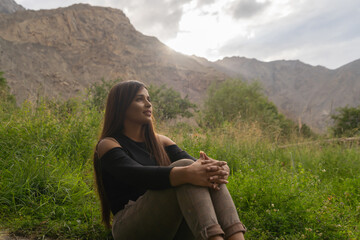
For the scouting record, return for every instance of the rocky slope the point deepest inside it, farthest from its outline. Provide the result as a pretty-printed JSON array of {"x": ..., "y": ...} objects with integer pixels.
[
  {"x": 60, "y": 52},
  {"x": 10, "y": 6},
  {"x": 301, "y": 91}
]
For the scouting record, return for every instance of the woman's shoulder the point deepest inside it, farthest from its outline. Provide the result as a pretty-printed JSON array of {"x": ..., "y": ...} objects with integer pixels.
[
  {"x": 164, "y": 140},
  {"x": 106, "y": 144}
]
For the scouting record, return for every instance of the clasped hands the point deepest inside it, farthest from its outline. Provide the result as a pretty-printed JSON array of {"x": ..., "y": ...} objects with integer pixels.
[{"x": 211, "y": 172}]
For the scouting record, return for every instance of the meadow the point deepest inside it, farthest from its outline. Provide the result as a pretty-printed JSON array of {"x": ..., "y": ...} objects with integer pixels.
[{"x": 294, "y": 192}]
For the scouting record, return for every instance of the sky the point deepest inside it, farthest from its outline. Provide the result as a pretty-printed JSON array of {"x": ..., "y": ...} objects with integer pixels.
[{"x": 316, "y": 32}]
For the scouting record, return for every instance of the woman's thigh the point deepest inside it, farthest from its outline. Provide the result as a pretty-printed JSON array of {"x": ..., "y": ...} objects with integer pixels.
[{"x": 155, "y": 215}]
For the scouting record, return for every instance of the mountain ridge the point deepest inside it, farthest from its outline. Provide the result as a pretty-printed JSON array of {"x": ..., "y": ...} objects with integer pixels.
[
  {"x": 301, "y": 91},
  {"x": 10, "y": 6},
  {"x": 60, "y": 52},
  {"x": 79, "y": 45}
]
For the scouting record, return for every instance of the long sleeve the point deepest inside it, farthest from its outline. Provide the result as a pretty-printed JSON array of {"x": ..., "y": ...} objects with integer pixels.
[
  {"x": 175, "y": 153},
  {"x": 125, "y": 170}
]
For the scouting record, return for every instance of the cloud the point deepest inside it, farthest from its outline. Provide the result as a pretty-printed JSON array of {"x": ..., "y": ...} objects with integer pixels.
[
  {"x": 312, "y": 33},
  {"x": 246, "y": 8},
  {"x": 201, "y": 3},
  {"x": 157, "y": 17}
]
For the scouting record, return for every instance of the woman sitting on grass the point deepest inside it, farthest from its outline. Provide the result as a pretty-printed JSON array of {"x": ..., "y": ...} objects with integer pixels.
[{"x": 154, "y": 189}]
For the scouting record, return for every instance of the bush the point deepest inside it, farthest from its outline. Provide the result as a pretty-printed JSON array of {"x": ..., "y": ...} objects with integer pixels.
[
  {"x": 234, "y": 100},
  {"x": 346, "y": 122},
  {"x": 97, "y": 93},
  {"x": 168, "y": 103}
]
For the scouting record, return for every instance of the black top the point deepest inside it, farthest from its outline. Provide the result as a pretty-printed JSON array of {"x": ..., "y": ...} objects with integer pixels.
[{"x": 128, "y": 171}]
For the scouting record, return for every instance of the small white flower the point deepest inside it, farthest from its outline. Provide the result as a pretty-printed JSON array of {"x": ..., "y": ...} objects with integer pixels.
[{"x": 324, "y": 170}]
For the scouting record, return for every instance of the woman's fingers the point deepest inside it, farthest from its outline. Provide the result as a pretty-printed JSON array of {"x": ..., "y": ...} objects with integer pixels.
[
  {"x": 209, "y": 173},
  {"x": 218, "y": 179},
  {"x": 219, "y": 172},
  {"x": 213, "y": 163}
]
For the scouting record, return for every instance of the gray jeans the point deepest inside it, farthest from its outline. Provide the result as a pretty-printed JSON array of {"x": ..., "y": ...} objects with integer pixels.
[{"x": 183, "y": 212}]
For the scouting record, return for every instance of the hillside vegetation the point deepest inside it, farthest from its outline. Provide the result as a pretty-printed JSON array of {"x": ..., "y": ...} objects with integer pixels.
[{"x": 298, "y": 192}]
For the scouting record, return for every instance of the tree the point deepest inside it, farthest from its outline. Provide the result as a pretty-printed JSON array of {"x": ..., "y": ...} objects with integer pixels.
[
  {"x": 346, "y": 122},
  {"x": 97, "y": 93},
  {"x": 235, "y": 100},
  {"x": 168, "y": 103}
]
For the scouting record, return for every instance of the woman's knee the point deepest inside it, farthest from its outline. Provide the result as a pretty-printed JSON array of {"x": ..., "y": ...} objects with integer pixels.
[{"x": 182, "y": 163}]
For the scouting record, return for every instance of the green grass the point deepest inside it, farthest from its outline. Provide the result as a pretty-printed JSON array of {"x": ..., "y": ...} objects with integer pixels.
[{"x": 46, "y": 176}]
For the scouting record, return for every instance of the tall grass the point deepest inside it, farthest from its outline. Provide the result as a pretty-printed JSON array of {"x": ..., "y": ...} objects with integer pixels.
[
  {"x": 46, "y": 178},
  {"x": 300, "y": 192},
  {"x": 46, "y": 186}
]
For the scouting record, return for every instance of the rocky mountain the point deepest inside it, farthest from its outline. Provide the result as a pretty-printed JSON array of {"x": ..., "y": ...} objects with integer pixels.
[
  {"x": 62, "y": 51},
  {"x": 10, "y": 6},
  {"x": 302, "y": 92}
]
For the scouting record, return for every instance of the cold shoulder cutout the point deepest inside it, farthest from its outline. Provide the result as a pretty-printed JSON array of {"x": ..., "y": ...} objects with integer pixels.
[
  {"x": 165, "y": 141},
  {"x": 105, "y": 145}
]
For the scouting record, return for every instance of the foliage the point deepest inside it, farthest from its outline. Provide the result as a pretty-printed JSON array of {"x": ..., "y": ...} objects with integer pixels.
[
  {"x": 235, "y": 100},
  {"x": 7, "y": 100},
  {"x": 346, "y": 122},
  {"x": 46, "y": 176},
  {"x": 97, "y": 93},
  {"x": 168, "y": 103},
  {"x": 300, "y": 192}
]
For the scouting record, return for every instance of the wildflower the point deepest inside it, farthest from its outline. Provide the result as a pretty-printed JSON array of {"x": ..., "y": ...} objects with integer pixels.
[
  {"x": 324, "y": 170},
  {"x": 272, "y": 205}
]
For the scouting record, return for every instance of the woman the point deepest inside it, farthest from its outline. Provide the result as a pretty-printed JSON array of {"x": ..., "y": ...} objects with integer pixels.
[{"x": 154, "y": 189}]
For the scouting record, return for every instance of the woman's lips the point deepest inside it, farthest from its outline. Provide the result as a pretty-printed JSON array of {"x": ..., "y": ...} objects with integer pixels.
[{"x": 148, "y": 113}]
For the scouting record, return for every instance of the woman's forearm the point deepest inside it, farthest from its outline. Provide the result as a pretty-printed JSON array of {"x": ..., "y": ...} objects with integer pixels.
[{"x": 179, "y": 176}]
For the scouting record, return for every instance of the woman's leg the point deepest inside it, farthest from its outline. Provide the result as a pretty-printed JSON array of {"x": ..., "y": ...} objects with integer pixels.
[
  {"x": 159, "y": 214},
  {"x": 226, "y": 212},
  {"x": 155, "y": 215}
]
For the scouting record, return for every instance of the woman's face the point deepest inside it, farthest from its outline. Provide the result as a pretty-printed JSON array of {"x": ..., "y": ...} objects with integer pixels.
[{"x": 140, "y": 109}]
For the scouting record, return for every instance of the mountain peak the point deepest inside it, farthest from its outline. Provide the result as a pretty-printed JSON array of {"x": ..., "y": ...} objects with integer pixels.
[{"x": 10, "y": 6}]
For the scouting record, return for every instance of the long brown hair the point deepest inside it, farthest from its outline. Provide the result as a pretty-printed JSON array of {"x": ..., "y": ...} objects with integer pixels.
[{"x": 119, "y": 98}]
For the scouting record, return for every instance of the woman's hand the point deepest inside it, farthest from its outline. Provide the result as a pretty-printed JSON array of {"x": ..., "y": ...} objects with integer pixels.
[
  {"x": 205, "y": 172},
  {"x": 217, "y": 170},
  {"x": 215, "y": 165}
]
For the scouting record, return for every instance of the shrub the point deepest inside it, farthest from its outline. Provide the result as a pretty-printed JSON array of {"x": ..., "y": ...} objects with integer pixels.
[
  {"x": 235, "y": 100},
  {"x": 346, "y": 122}
]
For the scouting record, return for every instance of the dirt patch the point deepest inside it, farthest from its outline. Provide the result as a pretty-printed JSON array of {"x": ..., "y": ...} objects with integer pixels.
[{"x": 5, "y": 235}]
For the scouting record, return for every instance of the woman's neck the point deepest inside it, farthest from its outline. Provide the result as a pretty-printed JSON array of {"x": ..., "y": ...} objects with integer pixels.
[{"x": 134, "y": 131}]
